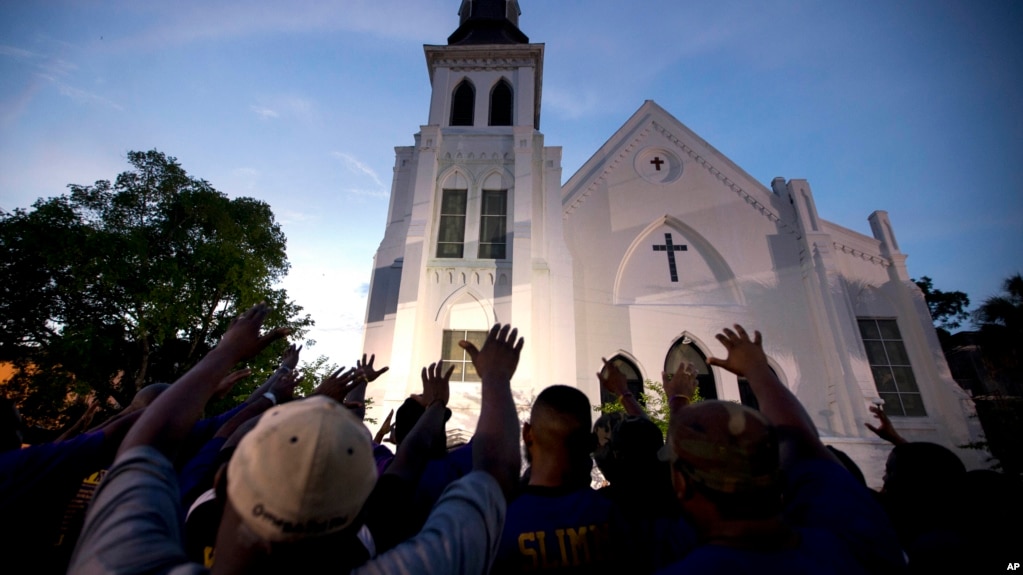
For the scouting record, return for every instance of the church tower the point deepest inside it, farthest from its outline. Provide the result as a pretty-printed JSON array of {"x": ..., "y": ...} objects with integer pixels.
[{"x": 474, "y": 228}]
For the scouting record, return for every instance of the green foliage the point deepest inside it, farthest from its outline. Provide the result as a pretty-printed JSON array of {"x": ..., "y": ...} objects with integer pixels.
[
  {"x": 948, "y": 309},
  {"x": 1001, "y": 328},
  {"x": 138, "y": 277},
  {"x": 655, "y": 400}
]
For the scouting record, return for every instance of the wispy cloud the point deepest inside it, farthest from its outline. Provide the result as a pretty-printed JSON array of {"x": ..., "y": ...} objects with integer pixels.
[
  {"x": 293, "y": 217},
  {"x": 420, "y": 21},
  {"x": 42, "y": 62},
  {"x": 265, "y": 113},
  {"x": 355, "y": 165},
  {"x": 367, "y": 193},
  {"x": 79, "y": 95},
  {"x": 283, "y": 106}
]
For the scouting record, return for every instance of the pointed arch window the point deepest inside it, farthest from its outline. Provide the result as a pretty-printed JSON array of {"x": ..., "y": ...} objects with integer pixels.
[
  {"x": 632, "y": 378},
  {"x": 684, "y": 350},
  {"x": 493, "y": 224},
  {"x": 451, "y": 231},
  {"x": 463, "y": 104},
  {"x": 501, "y": 104}
]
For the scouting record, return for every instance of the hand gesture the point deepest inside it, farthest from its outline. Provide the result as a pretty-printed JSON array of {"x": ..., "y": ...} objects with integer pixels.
[
  {"x": 243, "y": 340},
  {"x": 366, "y": 368},
  {"x": 227, "y": 384},
  {"x": 435, "y": 385},
  {"x": 500, "y": 354},
  {"x": 612, "y": 379},
  {"x": 885, "y": 430},
  {"x": 339, "y": 384},
  {"x": 682, "y": 382},
  {"x": 385, "y": 430},
  {"x": 283, "y": 386},
  {"x": 744, "y": 355},
  {"x": 290, "y": 358}
]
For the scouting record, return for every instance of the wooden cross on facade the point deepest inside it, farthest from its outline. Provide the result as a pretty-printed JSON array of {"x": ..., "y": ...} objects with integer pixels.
[
  {"x": 657, "y": 161},
  {"x": 671, "y": 249}
]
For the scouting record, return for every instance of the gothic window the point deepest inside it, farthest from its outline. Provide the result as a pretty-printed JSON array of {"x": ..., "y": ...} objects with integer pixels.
[
  {"x": 454, "y": 356},
  {"x": 463, "y": 105},
  {"x": 889, "y": 364},
  {"x": 451, "y": 231},
  {"x": 684, "y": 350},
  {"x": 493, "y": 224},
  {"x": 746, "y": 395},
  {"x": 501, "y": 104},
  {"x": 632, "y": 377}
]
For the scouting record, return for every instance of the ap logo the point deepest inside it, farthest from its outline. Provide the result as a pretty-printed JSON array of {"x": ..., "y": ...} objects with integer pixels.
[{"x": 1013, "y": 567}]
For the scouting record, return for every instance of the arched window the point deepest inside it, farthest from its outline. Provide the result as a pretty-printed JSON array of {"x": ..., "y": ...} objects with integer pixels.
[
  {"x": 632, "y": 377},
  {"x": 463, "y": 105},
  {"x": 684, "y": 350},
  {"x": 501, "y": 104}
]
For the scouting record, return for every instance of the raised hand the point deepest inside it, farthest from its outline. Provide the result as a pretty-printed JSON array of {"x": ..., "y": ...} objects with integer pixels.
[
  {"x": 339, "y": 384},
  {"x": 885, "y": 430},
  {"x": 435, "y": 385},
  {"x": 227, "y": 384},
  {"x": 365, "y": 367},
  {"x": 500, "y": 354},
  {"x": 283, "y": 386},
  {"x": 744, "y": 355},
  {"x": 612, "y": 379},
  {"x": 243, "y": 340},
  {"x": 385, "y": 429},
  {"x": 289, "y": 359},
  {"x": 682, "y": 382}
]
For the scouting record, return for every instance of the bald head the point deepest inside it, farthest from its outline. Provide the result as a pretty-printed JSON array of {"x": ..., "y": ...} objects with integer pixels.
[{"x": 560, "y": 415}]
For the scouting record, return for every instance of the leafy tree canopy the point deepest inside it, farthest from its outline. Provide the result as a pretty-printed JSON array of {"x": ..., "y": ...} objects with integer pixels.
[
  {"x": 120, "y": 284},
  {"x": 948, "y": 309},
  {"x": 1001, "y": 325}
]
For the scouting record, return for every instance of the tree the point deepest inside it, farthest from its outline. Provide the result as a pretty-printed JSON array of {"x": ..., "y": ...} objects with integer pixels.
[
  {"x": 948, "y": 309},
  {"x": 1001, "y": 326},
  {"x": 654, "y": 400},
  {"x": 117, "y": 285}
]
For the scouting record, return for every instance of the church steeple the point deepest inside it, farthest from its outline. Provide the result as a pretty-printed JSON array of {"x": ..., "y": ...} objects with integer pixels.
[{"x": 488, "y": 22}]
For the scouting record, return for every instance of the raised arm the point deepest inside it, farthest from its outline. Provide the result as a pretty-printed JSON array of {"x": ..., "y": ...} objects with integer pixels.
[
  {"x": 613, "y": 380},
  {"x": 414, "y": 452},
  {"x": 746, "y": 358},
  {"x": 168, "y": 419},
  {"x": 495, "y": 446},
  {"x": 885, "y": 430},
  {"x": 680, "y": 386}
]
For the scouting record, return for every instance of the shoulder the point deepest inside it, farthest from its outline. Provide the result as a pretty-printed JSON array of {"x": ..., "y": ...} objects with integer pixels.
[
  {"x": 460, "y": 535},
  {"x": 133, "y": 522}
]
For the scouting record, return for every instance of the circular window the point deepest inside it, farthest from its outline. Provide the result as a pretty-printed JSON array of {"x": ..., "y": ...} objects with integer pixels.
[{"x": 658, "y": 166}]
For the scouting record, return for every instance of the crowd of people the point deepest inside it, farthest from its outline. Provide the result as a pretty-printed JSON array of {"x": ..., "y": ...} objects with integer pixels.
[{"x": 286, "y": 484}]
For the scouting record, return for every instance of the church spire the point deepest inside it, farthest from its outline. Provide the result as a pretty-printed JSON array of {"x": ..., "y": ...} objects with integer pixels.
[{"x": 488, "y": 22}]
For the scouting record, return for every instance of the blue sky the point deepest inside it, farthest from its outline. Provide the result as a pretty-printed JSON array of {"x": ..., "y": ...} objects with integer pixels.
[{"x": 913, "y": 107}]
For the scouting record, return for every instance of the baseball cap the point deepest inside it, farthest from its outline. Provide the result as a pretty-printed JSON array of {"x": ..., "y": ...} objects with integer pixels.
[
  {"x": 304, "y": 470},
  {"x": 725, "y": 446}
]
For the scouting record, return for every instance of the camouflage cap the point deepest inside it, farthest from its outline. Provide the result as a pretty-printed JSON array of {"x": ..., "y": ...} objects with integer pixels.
[{"x": 726, "y": 447}]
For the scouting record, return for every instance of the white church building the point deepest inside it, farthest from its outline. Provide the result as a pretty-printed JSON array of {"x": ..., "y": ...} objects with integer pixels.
[{"x": 643, "y": 255}]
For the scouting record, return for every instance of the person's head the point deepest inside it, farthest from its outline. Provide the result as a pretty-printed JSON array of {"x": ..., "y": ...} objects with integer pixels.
[
  {"x": 297, "y": 480},
  {"x": 406, "y": 417},
  {"x": 920, "y": 467},
  {"x": 558, "y": 431},
  {"x": 724, "y": 457}
]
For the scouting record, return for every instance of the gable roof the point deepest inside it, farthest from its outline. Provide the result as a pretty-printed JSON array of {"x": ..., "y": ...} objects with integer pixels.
[{"x": 651, "y": 118}]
